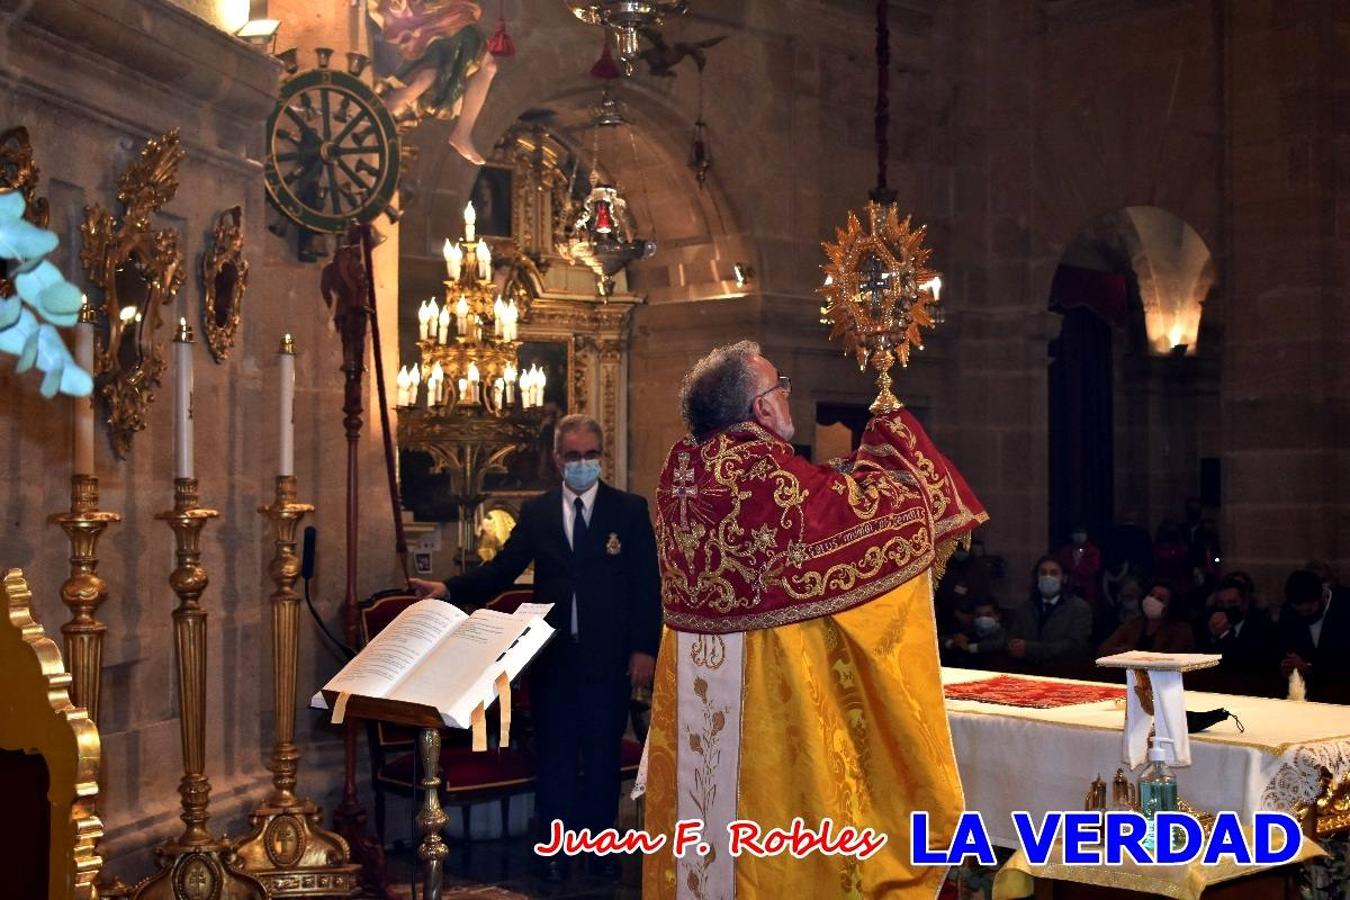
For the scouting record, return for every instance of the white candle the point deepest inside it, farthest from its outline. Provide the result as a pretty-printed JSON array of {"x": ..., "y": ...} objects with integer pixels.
[
  {"x": 474, "y": 378},
  {"x": 462, "y": 316},
  {"x": 484, "y": 255},
  {"x": 454, "y": 259},
  {"x": 498, "y": 387},
  {"x": 510, "y": 378},
  {"x": 434, "y": 385},
  {"x": 84, "y": 406},
  {"x": 423, "y": 320},
  {"x": 464, "y": 391},
  {"x": 540, "y": 379},
  {"x": 498, "y": 317},
  {"x": 182, "y": 360},
  {"x": 443, "y": 334},
  {"x": 401, "y": 387},
  {"x": 286, "y": 366},
  {"x": 470, "y": 218}
]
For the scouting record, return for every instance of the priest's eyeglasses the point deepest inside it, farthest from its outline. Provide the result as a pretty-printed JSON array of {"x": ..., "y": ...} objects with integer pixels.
[
  {"x": 574, "y": 456},
  {"x": 784, "y": 382}
]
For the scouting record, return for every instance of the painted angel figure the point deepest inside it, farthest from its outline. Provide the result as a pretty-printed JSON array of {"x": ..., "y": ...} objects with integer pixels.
[{"x": 438, "y": 63}]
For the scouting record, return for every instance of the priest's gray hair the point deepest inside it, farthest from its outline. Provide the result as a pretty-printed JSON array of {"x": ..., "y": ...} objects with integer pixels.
[
  {"x": 719, "y": 389},
  {"x": 576, "y": 422}
]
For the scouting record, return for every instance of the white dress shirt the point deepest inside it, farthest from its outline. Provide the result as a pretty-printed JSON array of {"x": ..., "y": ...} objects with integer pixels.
[
  {"x": 569, "y": 517},
  {"x": 1315, "y": 629}
]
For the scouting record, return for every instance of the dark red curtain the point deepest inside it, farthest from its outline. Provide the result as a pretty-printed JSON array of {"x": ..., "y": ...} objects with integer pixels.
[{"x": 1082, "y": 457}]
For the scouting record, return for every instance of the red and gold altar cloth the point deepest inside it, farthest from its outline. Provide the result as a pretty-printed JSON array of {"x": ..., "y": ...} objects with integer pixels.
[
  {"x": 1009, "y": 690},
  {"x": 751, "y": 535}
]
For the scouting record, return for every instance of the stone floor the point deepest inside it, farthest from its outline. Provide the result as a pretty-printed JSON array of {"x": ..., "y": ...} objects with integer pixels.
[{"x": 504, "y": 870}]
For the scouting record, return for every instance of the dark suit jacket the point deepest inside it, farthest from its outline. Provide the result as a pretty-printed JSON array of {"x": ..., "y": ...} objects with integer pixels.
[
  {"x": 1251, "y": 663},
  {"x": 1330, "y": 659},
  {"x": 1063, "y": 633},
  {"x": 615, "y": 577}
]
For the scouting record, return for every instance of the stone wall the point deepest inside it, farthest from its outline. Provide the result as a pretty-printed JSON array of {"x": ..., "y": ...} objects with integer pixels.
[{"x": 92, "y": 80}]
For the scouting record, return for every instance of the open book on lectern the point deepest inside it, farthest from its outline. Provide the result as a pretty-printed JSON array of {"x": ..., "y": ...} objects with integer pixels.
[{"x": 436, "y": 664}]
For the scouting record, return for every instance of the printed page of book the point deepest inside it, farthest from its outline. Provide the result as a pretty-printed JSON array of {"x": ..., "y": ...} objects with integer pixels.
[
  {"x": 459, "y": 675},
  {"x": 380, "y": 668},
  {"x": 533, "y": 609}
]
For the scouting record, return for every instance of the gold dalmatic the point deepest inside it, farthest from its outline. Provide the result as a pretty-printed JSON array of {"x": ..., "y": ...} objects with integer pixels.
[{"x": 799, "y": 676}]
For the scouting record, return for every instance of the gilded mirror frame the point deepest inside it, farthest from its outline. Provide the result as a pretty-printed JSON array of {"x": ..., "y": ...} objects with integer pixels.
[
  {"x": 224, "y": 253},
  {"x": 110, "y": 246}
]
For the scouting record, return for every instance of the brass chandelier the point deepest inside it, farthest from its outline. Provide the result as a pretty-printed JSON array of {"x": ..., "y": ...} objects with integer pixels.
[
  {"x": 625, "y": 20},
  {"x": 466, "y": 402}
]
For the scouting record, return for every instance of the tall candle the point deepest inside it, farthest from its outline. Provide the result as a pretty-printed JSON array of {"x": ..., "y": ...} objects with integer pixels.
[
  {"x": 84, "y": 406},
  {"x": 182, "y": 360},
  {"x": 443, "y": 333},
  {"x": 286, "y": 362}
]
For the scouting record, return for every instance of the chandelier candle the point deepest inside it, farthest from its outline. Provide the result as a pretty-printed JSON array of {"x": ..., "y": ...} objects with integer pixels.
[{"x": 454, "y": 259}]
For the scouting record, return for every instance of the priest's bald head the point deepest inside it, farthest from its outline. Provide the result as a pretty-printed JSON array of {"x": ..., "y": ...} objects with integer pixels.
[{"x": 732, "y": 384}]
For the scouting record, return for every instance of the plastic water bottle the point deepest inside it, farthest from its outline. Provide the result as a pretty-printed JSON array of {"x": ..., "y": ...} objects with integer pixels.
[{"x": 1157, "y": 788}]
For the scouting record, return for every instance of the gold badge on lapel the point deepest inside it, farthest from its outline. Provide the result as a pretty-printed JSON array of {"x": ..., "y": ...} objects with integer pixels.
[{"x": 612, "y": 546}]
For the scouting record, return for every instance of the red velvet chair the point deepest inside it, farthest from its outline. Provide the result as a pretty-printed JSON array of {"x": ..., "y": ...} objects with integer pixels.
[{"x": 467, "y": 778}]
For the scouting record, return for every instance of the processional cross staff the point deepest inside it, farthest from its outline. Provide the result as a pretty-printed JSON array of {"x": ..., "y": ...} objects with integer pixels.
[{"x": 345, "y": 285}]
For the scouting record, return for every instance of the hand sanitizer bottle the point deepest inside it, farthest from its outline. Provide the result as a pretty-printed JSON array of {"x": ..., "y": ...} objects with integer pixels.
[{"x": 1157, "y": 787}]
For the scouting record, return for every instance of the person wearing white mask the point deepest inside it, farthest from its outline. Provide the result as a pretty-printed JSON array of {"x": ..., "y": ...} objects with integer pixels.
[
  {"x": 1152, "y": 628},
  {"x": 1053, "y": 624}
]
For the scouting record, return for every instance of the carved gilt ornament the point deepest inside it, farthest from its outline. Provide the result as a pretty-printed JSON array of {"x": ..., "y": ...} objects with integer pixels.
[
  {"x": 224, "y": 279},
  {"x": 139, "y": 271}
]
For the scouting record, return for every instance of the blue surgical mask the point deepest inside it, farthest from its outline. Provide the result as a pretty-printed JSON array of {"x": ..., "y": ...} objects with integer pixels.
[
  {"x": 581, "y": 474},
  {"x": 1048, "y": 585}
]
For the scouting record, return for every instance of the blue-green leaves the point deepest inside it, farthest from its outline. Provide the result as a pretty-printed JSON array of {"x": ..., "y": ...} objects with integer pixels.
[{"x": 44, "y": 301}]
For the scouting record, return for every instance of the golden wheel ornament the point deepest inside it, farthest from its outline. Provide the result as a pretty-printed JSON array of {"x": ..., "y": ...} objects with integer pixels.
[{"x": 879, "y": 292}]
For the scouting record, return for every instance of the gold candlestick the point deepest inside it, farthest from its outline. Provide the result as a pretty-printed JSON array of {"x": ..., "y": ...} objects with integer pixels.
[
  {"x": 288, "y": 849},
  {"x": 84, "y": 592},
  {"x": 431, "y": 818},
  {"x": 193, "y": 865}
]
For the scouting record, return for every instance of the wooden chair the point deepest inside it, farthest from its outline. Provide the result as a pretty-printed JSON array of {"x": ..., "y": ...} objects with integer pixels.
[
  {"x": 468, "y": 778},
  {"x": 49, "y": 760}
]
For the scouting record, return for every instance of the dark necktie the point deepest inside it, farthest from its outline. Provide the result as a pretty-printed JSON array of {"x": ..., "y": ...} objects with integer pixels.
[
  {"x": 578, "y": 539},
  {"x": 578, "y": 525}
]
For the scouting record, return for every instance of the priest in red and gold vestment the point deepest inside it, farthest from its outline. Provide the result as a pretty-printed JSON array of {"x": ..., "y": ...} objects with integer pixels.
[{"x": 798, "y": 676}]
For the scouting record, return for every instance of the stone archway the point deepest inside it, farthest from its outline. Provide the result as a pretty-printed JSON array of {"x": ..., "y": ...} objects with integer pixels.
[{"x": 1132, "y": 287}]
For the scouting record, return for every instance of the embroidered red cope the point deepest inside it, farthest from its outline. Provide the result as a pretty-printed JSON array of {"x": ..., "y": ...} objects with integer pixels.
[{"x": 752, "y": 536}]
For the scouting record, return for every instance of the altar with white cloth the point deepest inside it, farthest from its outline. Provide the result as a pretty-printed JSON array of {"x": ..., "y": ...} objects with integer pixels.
[{"x": 1016, "y": 758}]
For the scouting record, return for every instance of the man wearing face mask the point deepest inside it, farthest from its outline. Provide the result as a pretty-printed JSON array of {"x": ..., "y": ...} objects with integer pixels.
[
  {"x": 799, "y": 674},
  {"x": 1315, "y": 637},
  {"x": 1054, "y": 625},
  {"x": 1242, "y": 633},
  {"x": 594, "y": 556}
]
